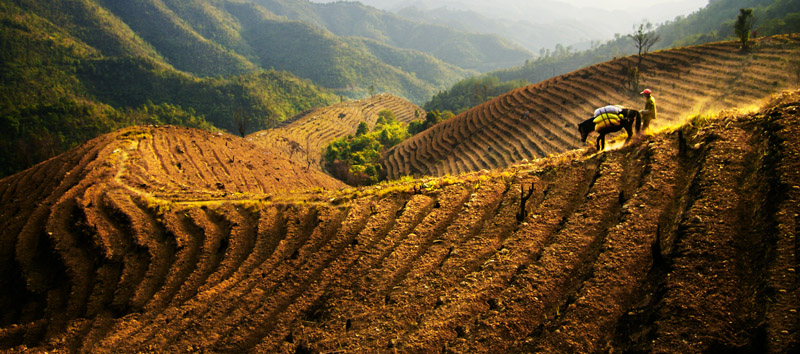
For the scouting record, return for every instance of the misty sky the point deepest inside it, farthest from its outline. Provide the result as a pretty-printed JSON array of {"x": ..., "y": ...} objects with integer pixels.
[
  {"x": 605, "y": 4},
  {"x": 626, "y": 4}
]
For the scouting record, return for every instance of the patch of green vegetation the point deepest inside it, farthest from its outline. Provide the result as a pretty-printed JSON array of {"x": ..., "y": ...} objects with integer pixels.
[
  {"x": 701, "y": 121},
  {"x": 354, "y": 159}
]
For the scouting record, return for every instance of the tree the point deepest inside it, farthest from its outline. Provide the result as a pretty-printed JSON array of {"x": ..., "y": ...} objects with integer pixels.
[
  {"x": 384, "y": 117},
  {"x": 356, "y": 159},
  {"x": 362, "y": 129},
  {"x": 432, "y": 118},
  {"x": 242, "y": 120},
  {"x": 744, "y": 26},
  {"x": 643, "y": 39}
]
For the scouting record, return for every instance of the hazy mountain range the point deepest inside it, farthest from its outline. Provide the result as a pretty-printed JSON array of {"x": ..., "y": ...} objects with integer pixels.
[{"x": 541, "y": 24}]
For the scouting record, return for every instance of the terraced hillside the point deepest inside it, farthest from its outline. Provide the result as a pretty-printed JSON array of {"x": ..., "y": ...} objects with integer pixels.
[
  {"x": 684, "y": 241},
  {"x": 304, "y": 137},
  {"x": 540, "y": 119}
]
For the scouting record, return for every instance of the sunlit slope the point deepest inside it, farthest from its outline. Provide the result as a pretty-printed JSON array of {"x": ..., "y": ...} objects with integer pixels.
[
  {"x": 682, "y": 242},
  {"x": 541, "y": 119},
  {"x": 305, "y": 136}
]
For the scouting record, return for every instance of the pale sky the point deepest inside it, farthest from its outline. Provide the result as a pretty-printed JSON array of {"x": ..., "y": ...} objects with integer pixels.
[
  {"x": 607, "y": 4},
  {"x": 626, "y": 4}
]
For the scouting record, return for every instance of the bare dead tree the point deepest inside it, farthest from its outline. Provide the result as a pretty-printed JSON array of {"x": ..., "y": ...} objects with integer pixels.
[
  {"x": 523, "y": 199},
  {"x": 643, "y": 39}
]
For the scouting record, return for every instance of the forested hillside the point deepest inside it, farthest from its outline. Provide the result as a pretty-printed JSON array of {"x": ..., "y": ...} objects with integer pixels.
[{"x": 76, "y": 72}]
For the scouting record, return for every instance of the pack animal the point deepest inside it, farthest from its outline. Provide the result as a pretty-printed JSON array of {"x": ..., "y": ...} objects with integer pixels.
[{"x": 625, "y": 120}]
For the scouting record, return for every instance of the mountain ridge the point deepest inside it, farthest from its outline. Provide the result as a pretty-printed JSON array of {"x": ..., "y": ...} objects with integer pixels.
[{"x": 468, "y": 51}]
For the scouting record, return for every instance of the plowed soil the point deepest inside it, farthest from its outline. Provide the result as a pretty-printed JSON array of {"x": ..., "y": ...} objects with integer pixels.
[
  {"x": 684, "y": 241},
  {"x": 540, "y": 119}
]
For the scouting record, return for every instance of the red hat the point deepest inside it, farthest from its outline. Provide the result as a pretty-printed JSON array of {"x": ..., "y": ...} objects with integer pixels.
[{"x": 646, "y": 92}]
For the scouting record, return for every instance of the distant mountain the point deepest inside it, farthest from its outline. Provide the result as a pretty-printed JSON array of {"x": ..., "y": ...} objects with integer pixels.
[
  {"x": 532, "y": 36},
  {"x": 540, "y": 24},
  {"x": 482, "y": 52},
  {"x": 211, "y": 38}
]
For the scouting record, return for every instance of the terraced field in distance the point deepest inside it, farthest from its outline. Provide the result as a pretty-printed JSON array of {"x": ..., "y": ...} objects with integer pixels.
[
  {"x": 539, "y": 120},
  {"x": 684, "y": 241},
  {"x": 304, "y": 137},
  {"x": 184, "y": 164}
]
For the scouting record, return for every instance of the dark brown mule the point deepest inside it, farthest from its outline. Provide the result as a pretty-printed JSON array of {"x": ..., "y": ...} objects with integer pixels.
[{"x": 629, "y": 118}]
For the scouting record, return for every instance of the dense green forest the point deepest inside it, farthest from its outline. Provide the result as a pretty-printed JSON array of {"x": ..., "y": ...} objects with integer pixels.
[
  {"x": 268, "y": 96},
  {"x": 712, "y": 23}
]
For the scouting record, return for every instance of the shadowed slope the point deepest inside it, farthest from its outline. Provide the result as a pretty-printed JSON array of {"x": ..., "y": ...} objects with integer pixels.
[
  {"x": 541, "y": 119},
  {"x": 304, "y": 137},
  {"x": 684, "y": 241},
  {"x": 88, "y": 233}
]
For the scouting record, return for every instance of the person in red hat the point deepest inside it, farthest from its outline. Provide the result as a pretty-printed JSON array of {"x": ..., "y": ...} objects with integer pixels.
[{"x": 649, "y": 111}]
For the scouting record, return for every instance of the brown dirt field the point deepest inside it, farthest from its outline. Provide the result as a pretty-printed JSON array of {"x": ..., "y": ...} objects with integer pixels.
[
  {"x": 683, "y": 241},
  {"x": 184, "y": 164},
  {"x": 303, "y": 138},
  {"x": 540, "y": 120}
]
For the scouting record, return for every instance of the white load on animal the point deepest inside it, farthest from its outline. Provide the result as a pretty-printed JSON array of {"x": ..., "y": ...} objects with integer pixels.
[{"x": 613, "y": 109}]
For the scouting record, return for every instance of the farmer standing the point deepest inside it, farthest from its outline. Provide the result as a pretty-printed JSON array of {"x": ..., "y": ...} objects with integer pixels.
[{"x": 649, "y": 111}]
